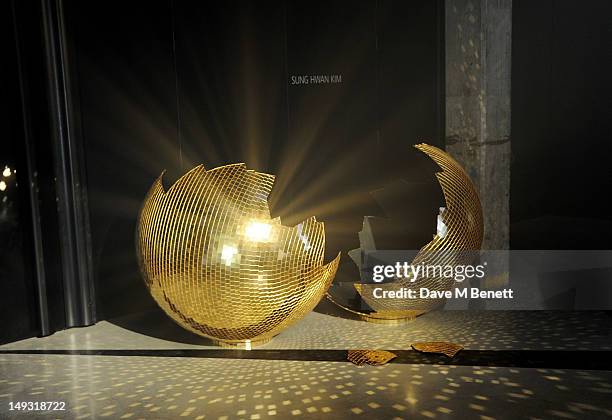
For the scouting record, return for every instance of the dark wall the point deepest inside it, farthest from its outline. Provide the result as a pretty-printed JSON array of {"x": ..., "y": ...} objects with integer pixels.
[
  {"x": 170, "y": 85},
  {"x": 561, "y": 124},
  {"x": 125, "y": 74},
  {"x": 18, "y": 309},
  {"x": 35, "y": 259}
]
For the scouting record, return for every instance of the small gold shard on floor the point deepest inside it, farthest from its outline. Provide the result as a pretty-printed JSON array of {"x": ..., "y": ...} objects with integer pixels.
[
  {"x": 370, "y": 357},
  {"x": 441, "y": 347}
]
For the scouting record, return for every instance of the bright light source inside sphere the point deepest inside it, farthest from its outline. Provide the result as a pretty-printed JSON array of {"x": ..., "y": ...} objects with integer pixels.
[
  {"x": 441, "y": 226},
  {"x": 227, "y": 254},
  {"x": 258, "y": 231},
  {"x": 2, "y": 185},
  {"x": 6, "y": 172}
]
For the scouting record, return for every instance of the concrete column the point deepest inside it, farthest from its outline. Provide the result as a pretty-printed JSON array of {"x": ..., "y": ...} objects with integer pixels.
[{"x": 478, "y": 45}]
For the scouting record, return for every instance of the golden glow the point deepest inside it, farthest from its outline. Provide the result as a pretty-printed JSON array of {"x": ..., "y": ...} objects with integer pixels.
[
  {"x": 219, "y": 265},
  {"x": 6, "y": 172},
  {"x": 2, "y": 185},
  {"x": 227, "y": 254},
  {"x": 257, "y": 231}
]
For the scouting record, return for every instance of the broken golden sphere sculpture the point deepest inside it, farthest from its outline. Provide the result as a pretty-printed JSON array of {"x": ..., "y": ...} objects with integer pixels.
[
  {"x": 453, "y": 245},
  {"x": 217, "y": 263},
  {"x": 456, "y": 242}
]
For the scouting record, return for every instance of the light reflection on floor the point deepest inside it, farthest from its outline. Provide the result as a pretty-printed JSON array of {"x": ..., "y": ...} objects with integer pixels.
[
  {"x": 153, "y": 387},
  {"x": 164, "y": 388}
]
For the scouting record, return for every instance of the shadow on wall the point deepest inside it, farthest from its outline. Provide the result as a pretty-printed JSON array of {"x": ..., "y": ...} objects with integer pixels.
[{"x": 120, "y": 287}]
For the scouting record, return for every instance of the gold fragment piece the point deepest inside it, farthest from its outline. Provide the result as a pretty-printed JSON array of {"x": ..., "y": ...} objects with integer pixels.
[
  {"x": 370, "y": 357},
  {"x": 441, "y": 347}
]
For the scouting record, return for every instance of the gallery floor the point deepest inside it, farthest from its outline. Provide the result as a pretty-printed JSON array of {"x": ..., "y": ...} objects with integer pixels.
[{"x": 515, "y": 365}]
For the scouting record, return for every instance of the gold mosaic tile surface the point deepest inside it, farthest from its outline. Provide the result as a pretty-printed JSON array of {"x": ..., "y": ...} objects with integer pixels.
[
  {"x": 441, "y": 347},
  {"x": 370, "y": 357},
  {"x": 219, "y": 265},
  {"x": 463, "y": 219}
]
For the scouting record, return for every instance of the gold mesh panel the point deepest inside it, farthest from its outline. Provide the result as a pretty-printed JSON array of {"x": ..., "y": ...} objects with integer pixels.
[
  {"x": 219, "y": 265},
  {"x": 370, "y": 357},
  {"x": 441, "y": 347},
  {"x": 463, "y": 219}
]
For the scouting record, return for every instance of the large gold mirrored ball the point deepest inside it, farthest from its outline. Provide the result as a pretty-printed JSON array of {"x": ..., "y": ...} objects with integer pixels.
[{"x": 219, "y": 265}]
